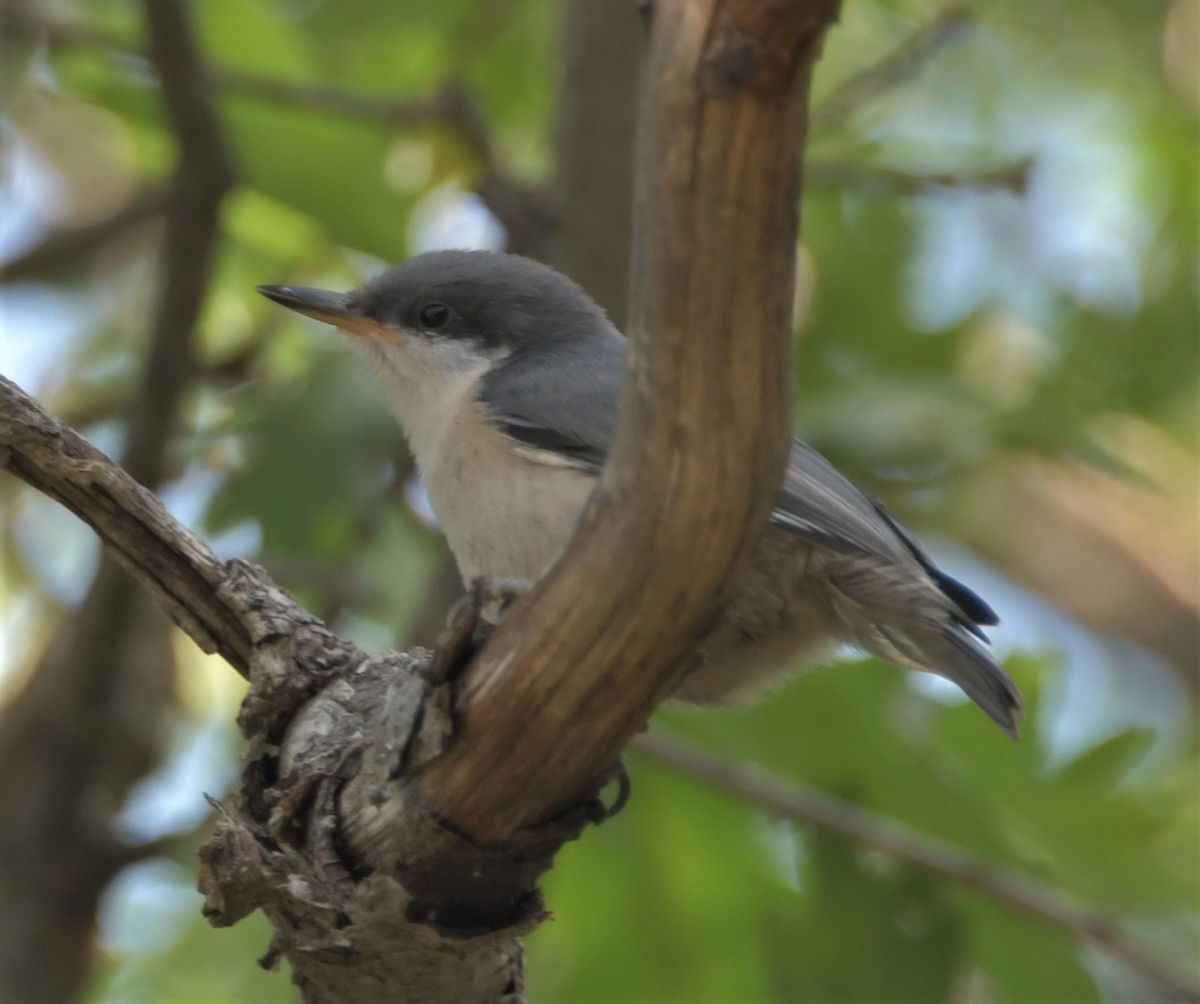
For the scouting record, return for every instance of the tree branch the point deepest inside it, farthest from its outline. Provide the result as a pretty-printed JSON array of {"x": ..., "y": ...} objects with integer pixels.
[
  {"x": 873, "y": 178},
  {"x": 274, "y": 847},
  {"x": 896, "y": 68},
  {"x": 173, "y": 565},
  {"x": 522, "y": 211},
  {"x": 695, "y": 467},
  {"x": 63, "y": 247},
  {"x": 203, "y": 175},
  {"x": 595, "y": 127},
  {"x": 791, "y": 799},
  {"x": 392, "y": 821}
]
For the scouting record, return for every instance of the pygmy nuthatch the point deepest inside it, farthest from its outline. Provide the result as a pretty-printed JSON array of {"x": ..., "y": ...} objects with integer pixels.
[{"x": 506, "y": 377}]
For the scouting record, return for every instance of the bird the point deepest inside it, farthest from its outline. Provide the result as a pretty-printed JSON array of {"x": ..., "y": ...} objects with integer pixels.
[{"x": 506, "y": 377}]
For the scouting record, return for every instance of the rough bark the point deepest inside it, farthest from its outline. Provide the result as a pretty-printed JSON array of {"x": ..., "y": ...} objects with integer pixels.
[{"x": 318, "y": 712}]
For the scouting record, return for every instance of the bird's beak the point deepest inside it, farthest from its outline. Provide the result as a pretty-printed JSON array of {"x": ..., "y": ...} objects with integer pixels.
[{"x": 324, "y": 305}]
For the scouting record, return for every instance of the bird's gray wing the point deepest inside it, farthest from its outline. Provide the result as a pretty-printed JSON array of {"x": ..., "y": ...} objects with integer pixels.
[
  {"x": 820, "y": 505},
  {"x": 565, "y": 406},
  {"x": 569, "y": 410},
  {"x": 878, "y": 589}
]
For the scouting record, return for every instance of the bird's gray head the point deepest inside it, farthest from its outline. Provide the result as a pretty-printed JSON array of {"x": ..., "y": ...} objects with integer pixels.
[
  {"x": 450, "y": 324},
  {"x": 480, "y": 302}
]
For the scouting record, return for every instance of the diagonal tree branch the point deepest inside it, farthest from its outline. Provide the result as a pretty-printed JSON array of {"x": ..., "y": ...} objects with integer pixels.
[
  {"x": 791, "y": 799},
  {"x": 380, "y": 704},
  {"x": 65, "y": 246},
  {"x": 896, "y": 68},
  {"x": 173, "y": 565}
]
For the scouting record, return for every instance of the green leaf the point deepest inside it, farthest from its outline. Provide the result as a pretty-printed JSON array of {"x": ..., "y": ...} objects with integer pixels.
[
  {"x": 1106, "y": 765},
  {"x": 1025, "y": 959},
  {"x": 313, "y": 459}
]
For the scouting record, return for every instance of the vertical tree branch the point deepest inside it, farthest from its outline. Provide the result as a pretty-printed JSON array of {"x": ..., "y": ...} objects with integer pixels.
[
  {"x": 705, "y": 424},
  {"x": 597, "y": 115},
  {"x": 203, "y": 176}
]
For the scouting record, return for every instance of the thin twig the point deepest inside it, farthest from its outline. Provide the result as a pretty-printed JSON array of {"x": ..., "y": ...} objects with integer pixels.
[
  {"x": 63, "y": 247},
  {"x": 899, "y": 66},
  {"x": 521, "y": 210},
  {"x": 870, "y": 178},
  {"x": 803, "y": 803},
  {"x": 446, "y": 103},
  {"x": 314, "y": 97}
]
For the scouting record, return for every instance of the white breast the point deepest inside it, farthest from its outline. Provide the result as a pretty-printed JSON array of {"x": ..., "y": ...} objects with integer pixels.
[{"x": 505, "y": 514}]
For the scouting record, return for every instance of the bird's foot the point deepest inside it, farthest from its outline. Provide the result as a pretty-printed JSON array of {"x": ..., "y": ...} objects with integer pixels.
[
  {"x": 469, "y": 623},
  {"x": 616, "y": 774},
  {"x": 494, "y": 596}
]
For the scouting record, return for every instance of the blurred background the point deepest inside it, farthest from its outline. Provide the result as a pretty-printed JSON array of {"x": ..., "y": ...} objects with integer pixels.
[{"x": 997, "y": 335}]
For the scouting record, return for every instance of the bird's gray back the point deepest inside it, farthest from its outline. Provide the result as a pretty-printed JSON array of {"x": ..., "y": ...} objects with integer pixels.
[{"x": 566, "y": 401}]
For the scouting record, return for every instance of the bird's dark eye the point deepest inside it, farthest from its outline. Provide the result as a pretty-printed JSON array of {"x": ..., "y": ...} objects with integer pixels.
[{"x": 434, "y": 315}]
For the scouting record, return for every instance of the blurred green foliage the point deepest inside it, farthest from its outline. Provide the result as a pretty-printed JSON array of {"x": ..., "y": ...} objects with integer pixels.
[{"x": 949, "y": 324}]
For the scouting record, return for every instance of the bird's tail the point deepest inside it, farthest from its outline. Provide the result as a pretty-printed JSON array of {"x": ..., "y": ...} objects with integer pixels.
[{"x": 950, "y": 650}]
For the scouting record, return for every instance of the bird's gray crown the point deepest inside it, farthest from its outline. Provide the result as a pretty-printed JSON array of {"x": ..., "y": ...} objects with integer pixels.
[{"x": 502, "y": 301}]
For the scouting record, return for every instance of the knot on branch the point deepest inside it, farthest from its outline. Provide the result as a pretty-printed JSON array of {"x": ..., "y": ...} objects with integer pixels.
[
  {"x": 756, "y": 45},
  {"x": 362, "y": 885},
  {"x": 327, "y": 835},
  {"x": 292, "y": 654},
  {"x": 284, "y": 844}
]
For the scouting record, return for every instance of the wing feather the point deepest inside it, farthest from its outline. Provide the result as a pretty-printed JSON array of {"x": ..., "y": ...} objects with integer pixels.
[
  {"x": 550, "y": 410},
  {"x": 820, "y": 505}
]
